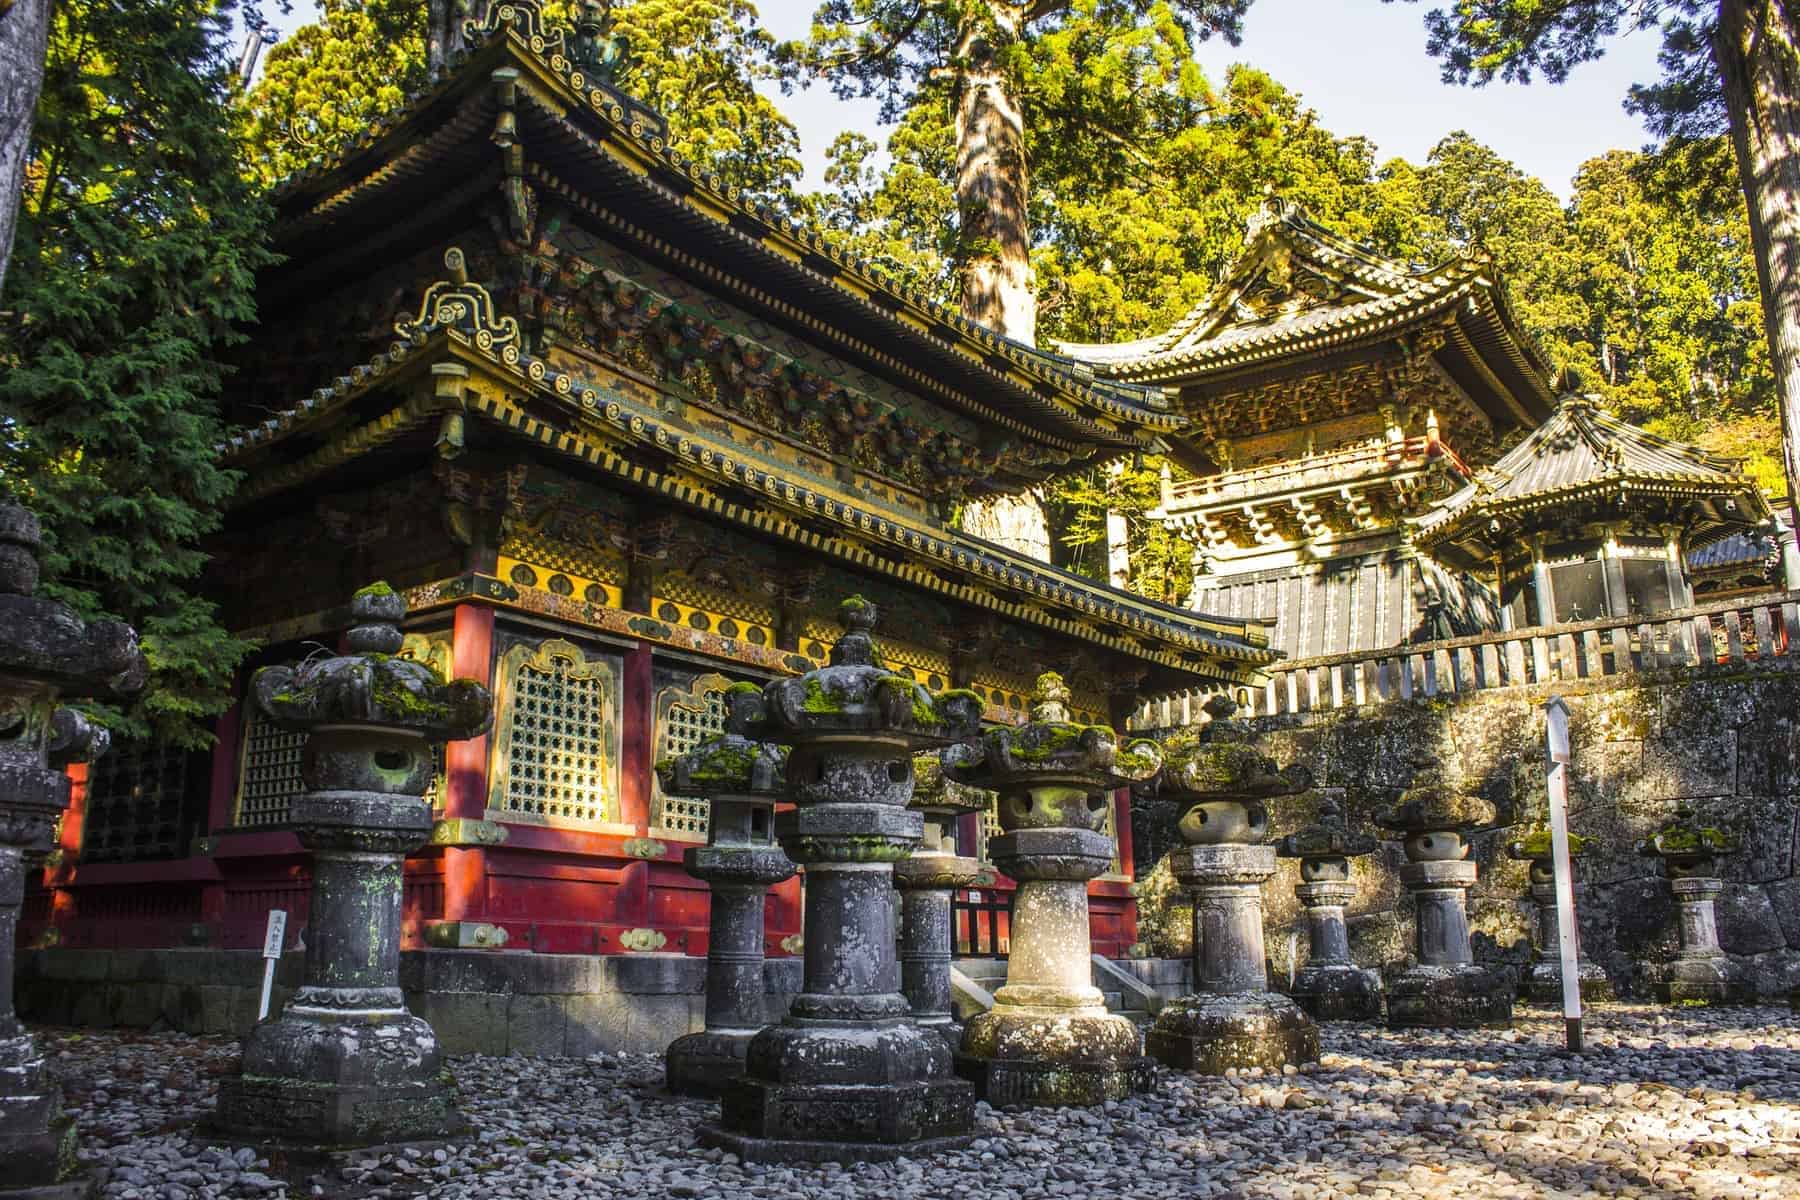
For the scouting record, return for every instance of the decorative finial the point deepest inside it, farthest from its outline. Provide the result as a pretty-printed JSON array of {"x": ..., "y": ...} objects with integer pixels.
[
  {"x": 377, "y": 611},
  {"x": 856, "y": 616},
  {"x": 1050, "y": 698}
]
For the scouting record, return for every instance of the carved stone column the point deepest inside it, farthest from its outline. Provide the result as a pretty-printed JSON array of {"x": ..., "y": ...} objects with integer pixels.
[
  {"x": 927, "y": 881},
  {"x": 1049, "y": 1040},
  {"x": 345, "y": 1064},
  {"x": 1444, "y": 989},
  {"x": 1700, "y": 970},
  {"x": 1232, "y": 1019},
  {"x": 1543, "y": 983},
  {"x": 47, "y": 653},
  {"x": 1330, "y": 987},
  {"x": 739, "y": 864},
  {"x": 848, "y": 1076}
]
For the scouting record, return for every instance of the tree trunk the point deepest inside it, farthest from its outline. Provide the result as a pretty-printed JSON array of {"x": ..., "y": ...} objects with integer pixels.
[
  {"x": 24, "y": 38},
  {"x": 992, "y": 179},
  {"x": 1016, "y": 522},
  {"x": 1759, "y": 65},
  {"x": 443, "y": 33}
]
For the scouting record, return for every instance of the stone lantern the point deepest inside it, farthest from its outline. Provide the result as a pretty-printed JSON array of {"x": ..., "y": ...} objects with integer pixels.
[
  {"x": 1048, "y": 1039},
  {"x": 1543, "y": 984},
  {"x": 848, "y": 1076},
  {"x": 739, "y": 864},
  {"x": 927, "y": 882},
  {"x": 1232, "y": 1019},
  {"x": 345, "y": 1064},
  {"x": 1690, "y": 853},
  {"x": 1330, "y": 987},
  {"x": 1444, "y": 989},
  {"x": 47, "y": 654}
]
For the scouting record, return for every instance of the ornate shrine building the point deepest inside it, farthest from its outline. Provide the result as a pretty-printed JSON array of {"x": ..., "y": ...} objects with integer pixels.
[
  {"x": 1331, "y": 396},
  {"x": 621, "y": 437}
]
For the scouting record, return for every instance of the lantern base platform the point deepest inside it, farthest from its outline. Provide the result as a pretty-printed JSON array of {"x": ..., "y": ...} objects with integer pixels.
[
  {"x": 1211, "y": 1034},
  {"x": 843, "y": 1091},
  {"x": 1045, "y": 1057},
  {"x": 37, "y": 1139},
  {"x": 705, "y": 1064},
  {"x": 1714, "y": 980},
  {"x": 1464, "y": 996},
  {"x": 324, "y": 1078},
  {"x": 1543, "y": 984},
  {"x": 1338, "y": 992}
]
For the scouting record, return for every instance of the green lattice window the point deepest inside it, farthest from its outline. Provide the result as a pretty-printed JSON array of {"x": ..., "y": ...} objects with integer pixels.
[
  {"x": 268, "y": 772},
  {"x": 137, "y": 806}
]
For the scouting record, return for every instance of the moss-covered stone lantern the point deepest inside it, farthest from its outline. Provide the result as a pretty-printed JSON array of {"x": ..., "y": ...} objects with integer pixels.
[
  {"x": 848, "y": 1076},
  {"x": 1223, "y": 787},
  {"x": 739, "y": 864},
  {"x": 927, "y": 882},
  {"x": 1700, "y": 971},
  {"x": 1049, "y": 1040},
  {"x": 1330, "y": 987},
  {"x": 1444, "y": 989},
  {"x": 345, "y": 1064},
  {"x": 47, "y": 654},
  {"x": 1543, "y": 983}
]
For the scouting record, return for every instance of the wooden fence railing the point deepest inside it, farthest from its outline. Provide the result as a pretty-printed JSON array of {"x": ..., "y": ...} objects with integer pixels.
[{"x": 1753, "y": 630}]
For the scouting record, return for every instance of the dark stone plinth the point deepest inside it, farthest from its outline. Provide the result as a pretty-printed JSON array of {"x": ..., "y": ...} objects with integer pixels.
[
  {"x": 1223, "y": 787},
  {"x": 739, "y": 864},
  {"x": 1049, "y": 1040},
  {"x": 1543, "y": 979},
  {"x": 345, "y": 1064},
  {"x": 47, "y": 654},
  {"x": 1444, "y": 989},
  {"x": 848, "y": 1076},
  {"x": 1330, "y": 987}
]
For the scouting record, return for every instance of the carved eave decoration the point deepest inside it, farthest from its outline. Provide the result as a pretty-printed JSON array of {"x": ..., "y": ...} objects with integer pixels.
[
  {"x": 1301, "y": 300},
  {"x": 458, "y": 359},
  {"x": 519, "y": 113}
]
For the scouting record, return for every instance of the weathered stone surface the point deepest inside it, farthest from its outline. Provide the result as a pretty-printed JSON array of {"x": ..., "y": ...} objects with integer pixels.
[{"x": 1747, "y": 920}]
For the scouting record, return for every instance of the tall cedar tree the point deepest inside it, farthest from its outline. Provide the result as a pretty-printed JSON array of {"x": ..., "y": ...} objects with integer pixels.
[
  {"x": 970, "y": 54},
  {"x": 138, "y": 245},
  {"x": 697, "y": 61},
  {"x": 1728, "y": 66},
  {"x": 24, "y": 30}
]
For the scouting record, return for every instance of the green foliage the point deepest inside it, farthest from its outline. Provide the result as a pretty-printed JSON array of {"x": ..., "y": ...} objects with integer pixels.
[
  {"x": 696, "y": 61},
  {"x": 138, "y": 245}
]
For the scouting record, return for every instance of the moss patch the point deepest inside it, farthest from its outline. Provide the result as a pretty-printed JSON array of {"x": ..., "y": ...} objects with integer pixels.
[{"x": 380, "y": 587}]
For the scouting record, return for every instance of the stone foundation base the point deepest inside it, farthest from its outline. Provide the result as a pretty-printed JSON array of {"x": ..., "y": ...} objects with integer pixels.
[
  {"x": 1460, "y": 997},
  {"x": 37, "y": 1139},
  {"x": 794, "y": 1122},
  {"x": 1544, "y": 984},
  {"x": 1046, "y": 1057},
  {"x": 74, "y": 1189},
  {"x": 1702, "y": 981},
  {"x": 1338, "y": 992},
  {"x": 1212, "y": 1034},
  {"x": 295, "y": 1112},
  {"x": 703, "y": 1064}
]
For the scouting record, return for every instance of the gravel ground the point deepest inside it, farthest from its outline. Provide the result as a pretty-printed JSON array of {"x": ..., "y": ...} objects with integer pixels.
[{"x": 1665, "y": 1103}]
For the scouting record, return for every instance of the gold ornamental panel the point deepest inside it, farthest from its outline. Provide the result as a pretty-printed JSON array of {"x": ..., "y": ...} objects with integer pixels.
[
  {"x": 686, "y": 715},
  {"x": 557, "y": 742}
]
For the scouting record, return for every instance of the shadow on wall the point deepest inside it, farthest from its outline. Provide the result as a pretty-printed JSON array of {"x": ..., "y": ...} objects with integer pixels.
[{"x": 1730, "y": 748}]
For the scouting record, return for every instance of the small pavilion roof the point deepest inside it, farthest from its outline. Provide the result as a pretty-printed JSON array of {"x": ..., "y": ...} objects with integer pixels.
[{"x": 1585, "y": 457}]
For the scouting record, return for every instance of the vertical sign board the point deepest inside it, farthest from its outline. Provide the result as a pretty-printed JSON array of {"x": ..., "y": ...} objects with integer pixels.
[
  {"x": 272, "y": 940},
  {"x": 1556, "y": 712}
]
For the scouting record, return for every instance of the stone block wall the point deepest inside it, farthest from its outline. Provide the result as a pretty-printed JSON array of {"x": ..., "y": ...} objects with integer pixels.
[
  {"x": 1726, "y": 743},
  {"x": 478, "y": 1001}
]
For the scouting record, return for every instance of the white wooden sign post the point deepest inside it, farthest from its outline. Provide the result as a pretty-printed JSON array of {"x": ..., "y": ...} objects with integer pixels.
[
  {"x": 272, "y": 939},
  {"x": 1567, "y": 935}
]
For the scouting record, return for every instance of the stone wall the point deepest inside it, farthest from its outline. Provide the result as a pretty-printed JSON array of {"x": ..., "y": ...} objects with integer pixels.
[
  {"x": 478, "y": 1001},
  {"x": 1726, "y": 743}
]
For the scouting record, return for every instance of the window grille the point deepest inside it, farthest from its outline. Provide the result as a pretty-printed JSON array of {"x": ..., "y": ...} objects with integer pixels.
[
  {"x": 556, "y": 759},
  {"x": 268, "y": 771},
  {"x": 136, "y": 801},
  {"x": 990, "y": 828},
  {"x": 685, "y": 717}
]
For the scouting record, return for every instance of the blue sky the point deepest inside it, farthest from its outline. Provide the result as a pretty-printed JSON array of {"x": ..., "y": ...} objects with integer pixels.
[{"x": 1360, "y": 63}]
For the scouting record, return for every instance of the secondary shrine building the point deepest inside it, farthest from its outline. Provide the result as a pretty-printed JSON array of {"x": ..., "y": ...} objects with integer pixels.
[{"x": 622, "y": 438}]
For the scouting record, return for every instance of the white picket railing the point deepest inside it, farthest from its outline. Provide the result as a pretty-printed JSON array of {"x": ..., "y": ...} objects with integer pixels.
[{"x": 1749, "y": 631}]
